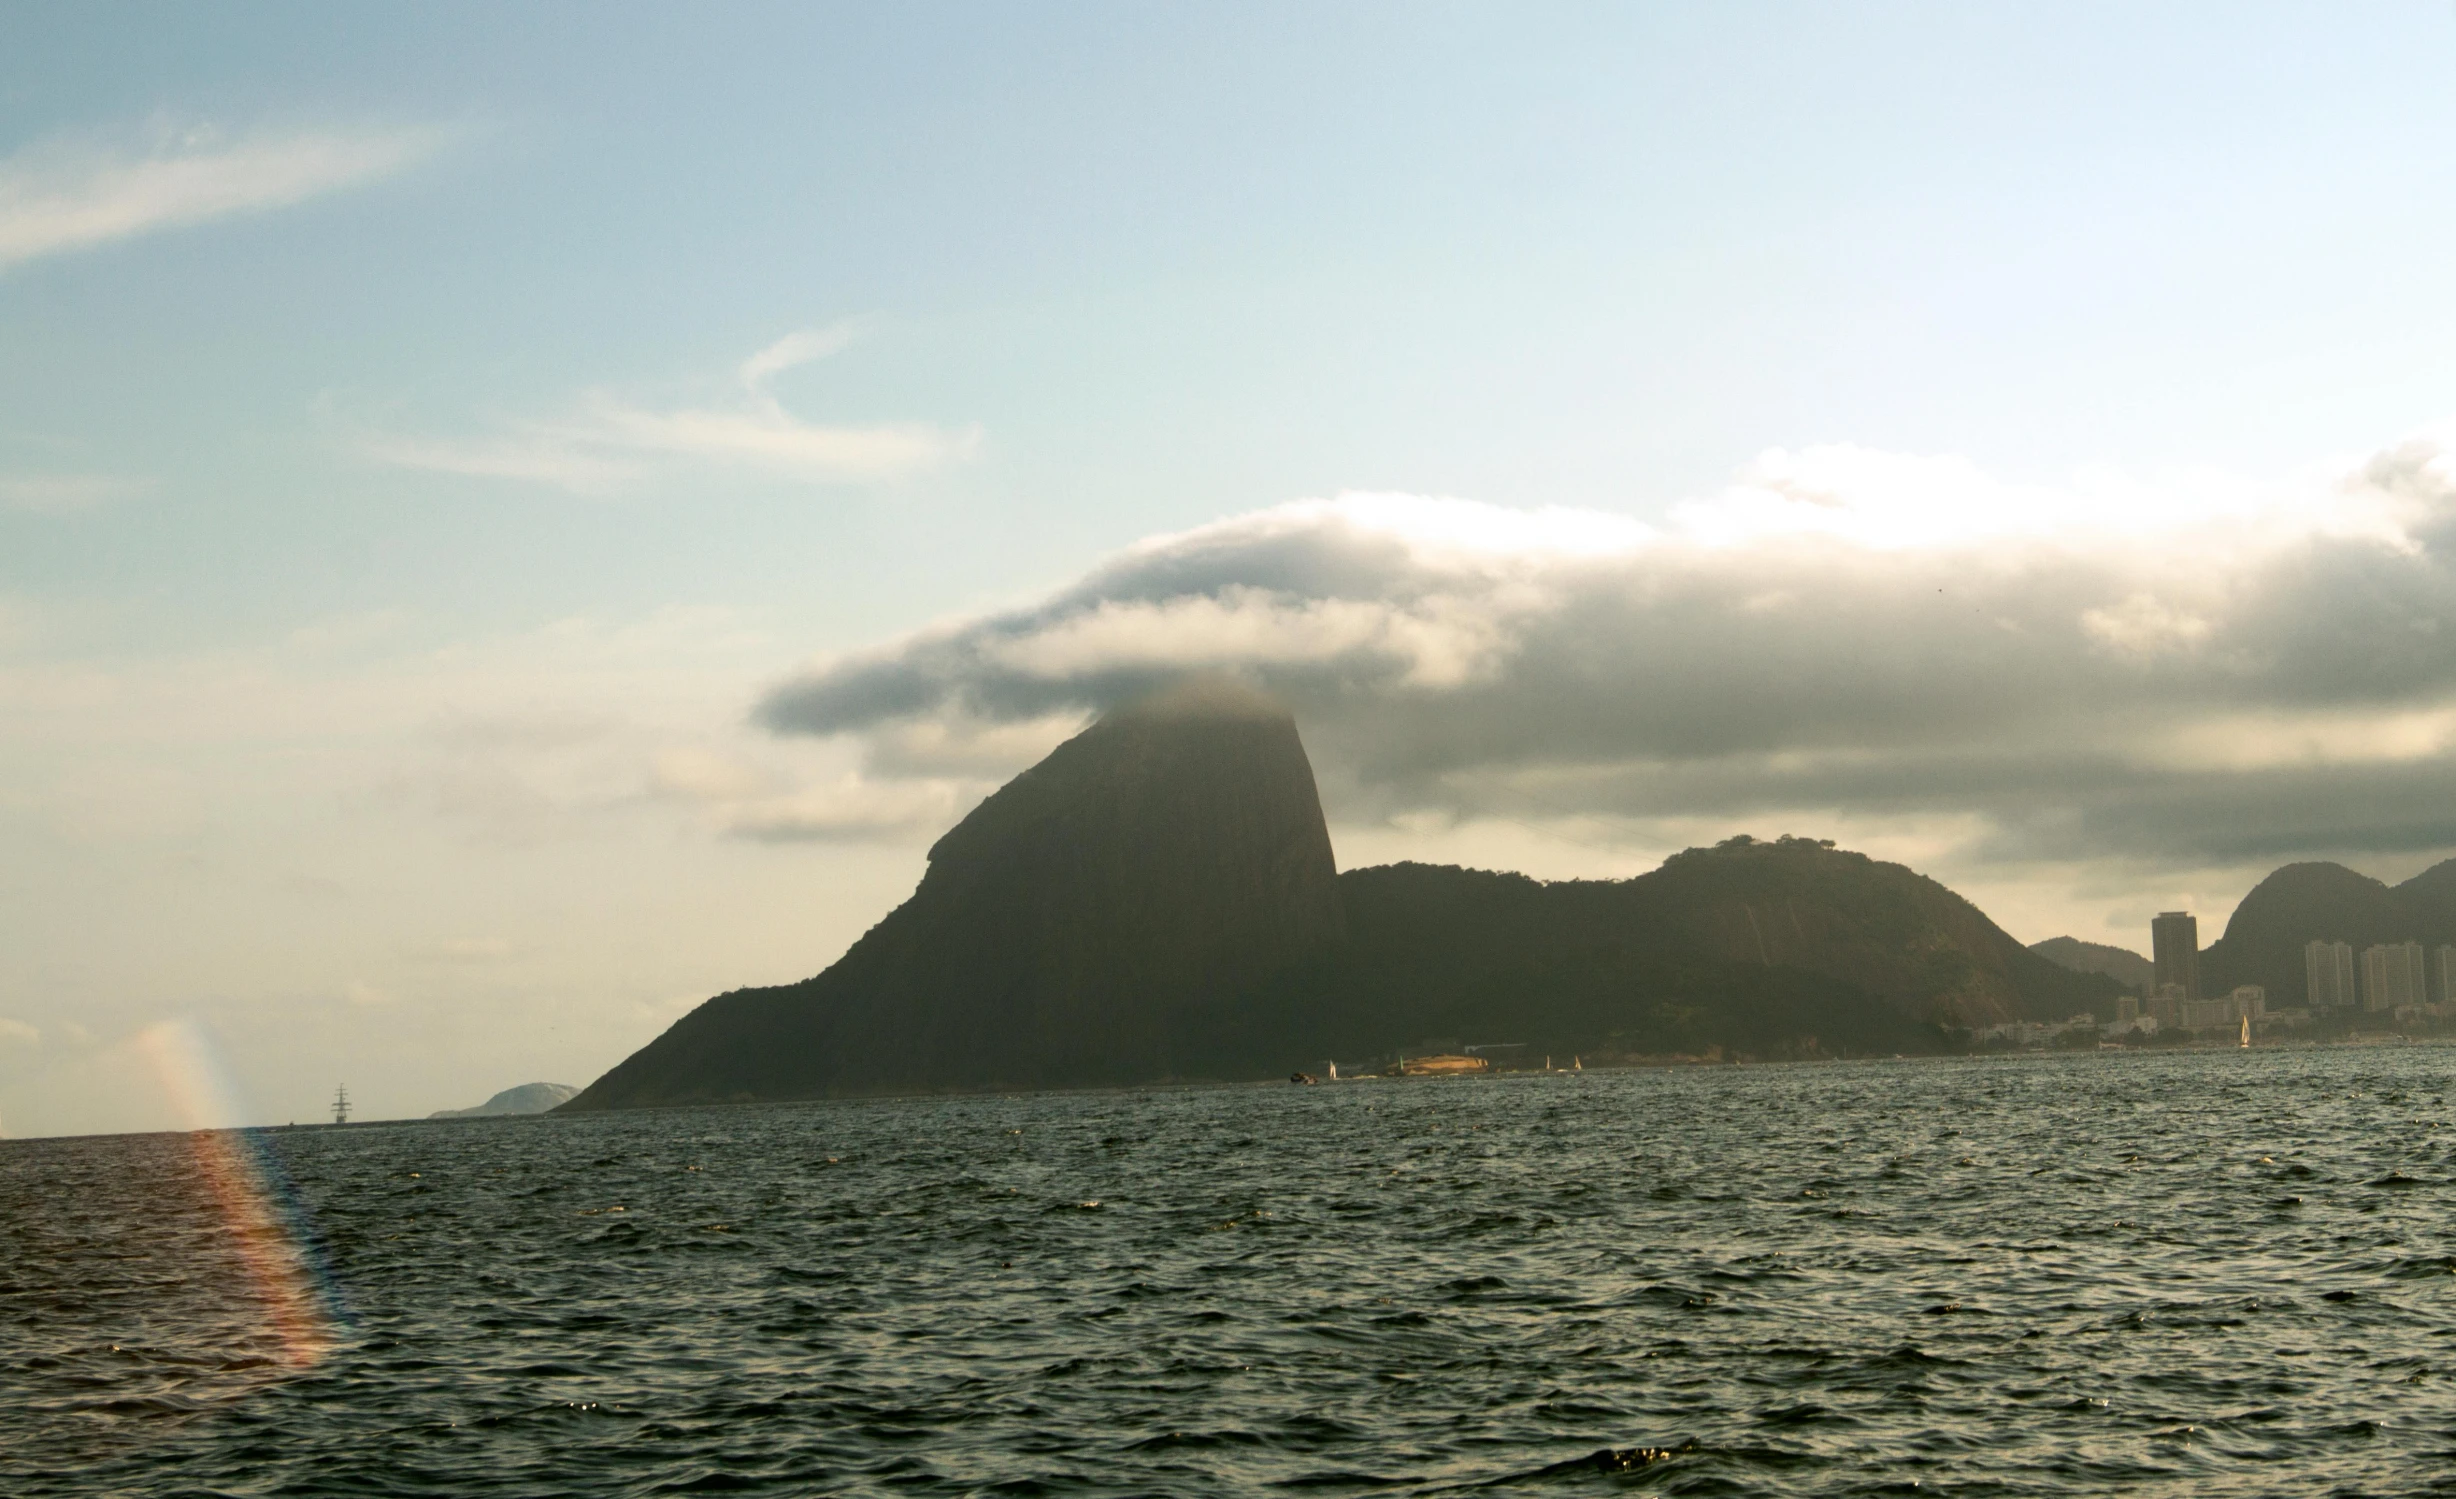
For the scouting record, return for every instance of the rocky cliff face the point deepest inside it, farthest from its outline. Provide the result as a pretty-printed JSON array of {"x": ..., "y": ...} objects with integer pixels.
[{"x": 1096, "y": 920}]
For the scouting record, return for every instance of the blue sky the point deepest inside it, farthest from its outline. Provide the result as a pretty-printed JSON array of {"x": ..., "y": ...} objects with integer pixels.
[{"x": 400, "y": 523}]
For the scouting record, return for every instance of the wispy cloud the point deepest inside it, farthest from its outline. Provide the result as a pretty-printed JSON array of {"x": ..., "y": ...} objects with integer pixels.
[
  {"x": 528, "y": 456},
  {"x": 746, "y": 801},
  {"x": 792, "y": 350},
  {"x": 65, "y": 195},
  {"x": 610, "y": 441},
  {"x": 773, "y": 439},
  {"x": 59, "y": 494}
]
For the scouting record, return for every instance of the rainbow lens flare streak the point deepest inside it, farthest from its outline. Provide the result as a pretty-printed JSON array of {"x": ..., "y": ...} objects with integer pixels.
[{"x": 284, "y": 1279}]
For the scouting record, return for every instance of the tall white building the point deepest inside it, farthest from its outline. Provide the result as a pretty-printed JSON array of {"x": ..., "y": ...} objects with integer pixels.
[
  {"x": 2393, "y": 976},
  {"x": 2328, "y": 975},
  {"x": 2445, "y": 965}
]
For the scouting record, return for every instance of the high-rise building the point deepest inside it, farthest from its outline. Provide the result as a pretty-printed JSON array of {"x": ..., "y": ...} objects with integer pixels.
[
  {"x": 2174, "y": 946},
  {"x": 2328, "y": 975},
  {"x": 2445, "y": 963},
  {"x": 2392, "y": 976}
]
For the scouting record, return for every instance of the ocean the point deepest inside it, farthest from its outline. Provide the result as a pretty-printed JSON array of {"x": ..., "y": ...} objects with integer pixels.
[{"x": 2201, "y": 1273}]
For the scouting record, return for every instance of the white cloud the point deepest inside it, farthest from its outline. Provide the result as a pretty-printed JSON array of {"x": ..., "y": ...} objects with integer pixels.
[
  {"x": 856, "y": 807},
  {"x": 767, "y": 436},
  {"x": 744, "y": 800},
  {"x": 60, "y": 494},
  {"x": 1884, "y": 502},
  {"x": 952, "y": 746},
  {"x": 18, "y": 1033},
  {"x": 704, "y": 775},
  {"x": 610, "y": 442},
  {"x": 2144, "y": 626},
  {"x": 792, "y": 350},
  {"x": 2210, "y": 667},
  {"x": 1440, "y": 641},
  {"x": 69, "y": 195},
  {"x": 531, "y": 457}
]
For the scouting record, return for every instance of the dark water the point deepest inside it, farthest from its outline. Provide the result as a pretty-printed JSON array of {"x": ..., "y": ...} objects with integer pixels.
[{"x": 2198, "y": 1274}]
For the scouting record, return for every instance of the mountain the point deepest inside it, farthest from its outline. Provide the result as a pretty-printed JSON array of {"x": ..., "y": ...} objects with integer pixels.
[
  {"x": 1802, "y": 903},
  {"x": 1782, "y": 948},
  {"x": 2121, "y": 964},
  {"x": 528, "y": 1098},
  {"x": 2299, "y": 903},
  {"x": 1099, "y": 919},
  {"x": 1439, "y": 956},
  {"x": 1156, "y": 900}
]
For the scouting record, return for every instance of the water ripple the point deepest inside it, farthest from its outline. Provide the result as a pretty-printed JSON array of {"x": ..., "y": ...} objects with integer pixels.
[{"x": 2200, "y": 1273}]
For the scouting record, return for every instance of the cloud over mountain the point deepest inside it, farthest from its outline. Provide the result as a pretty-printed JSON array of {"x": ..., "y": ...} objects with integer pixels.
[{"x": 2188, "y": 666}]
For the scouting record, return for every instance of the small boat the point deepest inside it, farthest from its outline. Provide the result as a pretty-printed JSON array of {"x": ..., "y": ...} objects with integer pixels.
[
  {"x": 1302, "y": 1077},
  {"x": 2247, "y": 1030}
]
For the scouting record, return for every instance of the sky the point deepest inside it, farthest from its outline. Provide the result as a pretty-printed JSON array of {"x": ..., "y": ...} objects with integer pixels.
[{"x": 513, "y": 522}]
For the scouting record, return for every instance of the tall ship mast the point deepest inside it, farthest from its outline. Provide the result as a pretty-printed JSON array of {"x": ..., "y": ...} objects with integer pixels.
[{"x": 341, "y": 1104}]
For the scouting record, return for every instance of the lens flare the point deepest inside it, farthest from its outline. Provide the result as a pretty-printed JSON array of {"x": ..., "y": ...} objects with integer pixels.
[{"x": 283, "y": 1273}]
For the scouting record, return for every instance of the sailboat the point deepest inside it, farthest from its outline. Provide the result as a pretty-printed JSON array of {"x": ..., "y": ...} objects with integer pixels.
[{"x": 2247, "y": 1030}]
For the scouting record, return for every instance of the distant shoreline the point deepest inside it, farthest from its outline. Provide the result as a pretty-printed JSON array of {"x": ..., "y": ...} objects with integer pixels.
[{"x": 1653, "y": 1064}]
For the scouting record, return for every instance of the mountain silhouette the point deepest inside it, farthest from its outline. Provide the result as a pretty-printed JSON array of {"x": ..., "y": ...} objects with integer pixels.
[
  {"x": 2301, "y": 903},
  {"x": 1156, "y": 899},
  {"x": 1782, "y": 948},
  {"x": 1096, "y": 920},
  {"x": 528, "y": 1098}
]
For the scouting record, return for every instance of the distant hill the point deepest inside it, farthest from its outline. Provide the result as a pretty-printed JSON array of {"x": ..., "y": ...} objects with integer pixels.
[
  {"x": 1568, "y": 967},
  {"x": 2299, "y": 903},
  {"x": 2121, "y": 964},
  {"x": 1895, "y": 933},
  {"x": 528, "y": 1098},
  {"x": 1767, "y": 949},
  {"x": 1156, "y": 900}
]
